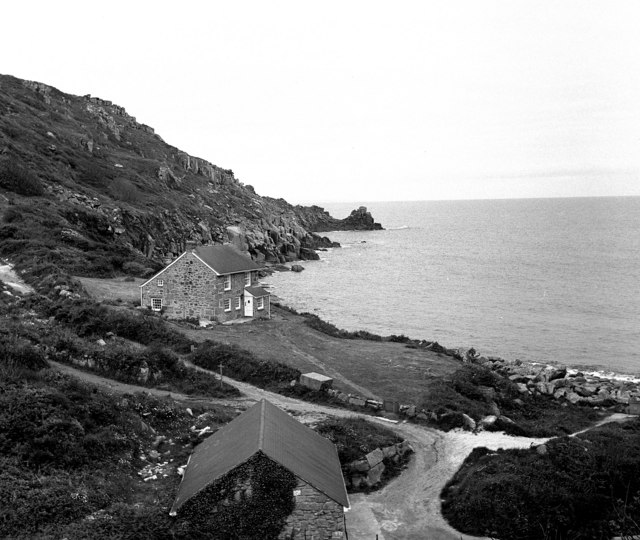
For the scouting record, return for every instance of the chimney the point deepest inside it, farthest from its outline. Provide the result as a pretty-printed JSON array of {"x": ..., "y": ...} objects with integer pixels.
[{"x": 190, "y": 245}]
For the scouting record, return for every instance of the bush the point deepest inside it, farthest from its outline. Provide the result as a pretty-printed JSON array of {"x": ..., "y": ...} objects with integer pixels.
[
  {"x": 582, "y": 487},
  {"x": 88, "y": 318},
  {"x": 355, "y": 437},
  {"x": 18, "y": 179},
  {"x": 325, "y": 327},
  {"x": 242, "y": 365},
  {"x": 134, "y": 268}
]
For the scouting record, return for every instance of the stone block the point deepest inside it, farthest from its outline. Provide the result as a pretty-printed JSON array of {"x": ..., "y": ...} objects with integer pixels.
[
  {"x": 373, "y": 477},
  {"x": 375, "y": 457},
  {"x": 358, "y": 402},
  {"x": 389, "y": 451}
]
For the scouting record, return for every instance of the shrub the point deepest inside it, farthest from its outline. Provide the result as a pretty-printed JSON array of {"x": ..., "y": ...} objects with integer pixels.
[
  {"x": 325, "y": 327},
  {"x": 578, "y": 489},
  {"x": 242, "y": 365},
  {"x": 355, "y": 437},
  {"x": 134, "y": 268},
  {"x": 18, "y": 179},
  {"x": 88, "y": 318}
]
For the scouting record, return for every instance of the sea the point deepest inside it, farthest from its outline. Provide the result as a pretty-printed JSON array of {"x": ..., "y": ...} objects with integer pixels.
[{"x": 554, "y": 281}]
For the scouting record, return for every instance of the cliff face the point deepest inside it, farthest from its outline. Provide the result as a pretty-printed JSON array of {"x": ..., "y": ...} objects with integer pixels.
[{"x": 110, "y": 180}]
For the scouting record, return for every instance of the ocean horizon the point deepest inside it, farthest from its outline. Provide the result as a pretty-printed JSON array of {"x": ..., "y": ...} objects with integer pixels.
[{"x": 541, "y": 280}]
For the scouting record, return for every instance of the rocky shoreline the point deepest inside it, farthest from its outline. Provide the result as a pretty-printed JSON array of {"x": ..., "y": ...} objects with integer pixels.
[{"x": 562, "y": 383}]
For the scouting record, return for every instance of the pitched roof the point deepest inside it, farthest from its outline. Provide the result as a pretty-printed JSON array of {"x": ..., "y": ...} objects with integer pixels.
[
  {"x": 257, "y": 291},
  {"x": 266, "y": 428},
  {"x": 225, "y": 259}
]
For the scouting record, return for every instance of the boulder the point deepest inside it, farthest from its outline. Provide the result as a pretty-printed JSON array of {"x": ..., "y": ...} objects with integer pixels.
[
  {"x": 404, "y": 448},
  {"x": 488, "y": 420},
  {"x": 374, "y": 475},
  {"x": 389, "y": 451},
  {"x": 375, "y": 457},
  {"x": 361, "y": 465},
  {"x": 558, "y": 373},
  {"x": 573, "y": 397},
  {"x": 468, "y": 422},
  {"x": 297, "y": 268}
]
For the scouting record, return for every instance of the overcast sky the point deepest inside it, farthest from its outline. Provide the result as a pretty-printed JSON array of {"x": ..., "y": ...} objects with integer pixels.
[{"x": 362, "y": 101}]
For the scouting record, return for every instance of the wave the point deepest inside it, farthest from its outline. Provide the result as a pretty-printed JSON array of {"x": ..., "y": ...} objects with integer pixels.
[{"x": 400, "y": 228}]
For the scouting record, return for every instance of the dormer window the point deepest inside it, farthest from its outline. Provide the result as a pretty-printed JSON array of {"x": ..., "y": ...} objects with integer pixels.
[
  {"x": 227, "y": 282},
  {"x": 161, "y": 283},
  {"x": 247, "y": 279}
]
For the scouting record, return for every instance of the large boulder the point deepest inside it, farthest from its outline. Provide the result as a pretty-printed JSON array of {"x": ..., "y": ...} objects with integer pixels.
[{"x": 468, "y": 422}]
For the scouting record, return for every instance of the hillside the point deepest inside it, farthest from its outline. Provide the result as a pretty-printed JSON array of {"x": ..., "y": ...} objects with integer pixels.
[{"x": 87, "y": 187}]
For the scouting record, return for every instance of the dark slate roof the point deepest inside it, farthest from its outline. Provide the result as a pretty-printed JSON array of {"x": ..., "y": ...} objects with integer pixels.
[
  {"x": 266, "y": 428},
  {"x": 226, "y": 259},
  {"x": 257, "y": 291}
]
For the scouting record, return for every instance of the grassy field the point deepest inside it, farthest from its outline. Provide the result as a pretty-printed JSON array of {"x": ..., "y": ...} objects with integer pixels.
[
  {"x": 382, "y": 370},
  {"x": 113, "y": 290}
]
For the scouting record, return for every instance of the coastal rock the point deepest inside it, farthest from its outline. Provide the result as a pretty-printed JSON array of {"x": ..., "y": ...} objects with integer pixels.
[
  {"x": 297, "y": 268},
  {"x": 488, "y": 421},
  {"x": 468, "y": 422}
]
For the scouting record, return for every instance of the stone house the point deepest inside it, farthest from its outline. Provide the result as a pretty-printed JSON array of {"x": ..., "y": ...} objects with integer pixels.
[
  {"x": 266, "y": 432},
  {"x": 215, "y": 283}
]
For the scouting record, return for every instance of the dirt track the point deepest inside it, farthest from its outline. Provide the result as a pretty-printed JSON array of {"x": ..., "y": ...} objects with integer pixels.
[{"x": 406, "y": 509}]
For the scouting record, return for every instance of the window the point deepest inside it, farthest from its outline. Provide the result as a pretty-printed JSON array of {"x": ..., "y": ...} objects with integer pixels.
[
  {"x": 247, "y": 279},
  {"x": 227, "y": 282},
  {"x": 227, "y": 304},
  {"x": 238, "y": 302},
  {"x": 156, "y": 304},
  {"x": 161, "y": 283},
  {"x": 260, "y": 302}
]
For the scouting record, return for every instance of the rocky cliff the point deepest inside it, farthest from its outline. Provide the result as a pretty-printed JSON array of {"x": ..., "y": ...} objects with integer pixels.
[{"x": 105, "y": 183}]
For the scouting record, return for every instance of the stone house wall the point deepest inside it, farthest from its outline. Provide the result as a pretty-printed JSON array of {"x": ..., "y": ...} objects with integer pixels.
[
  {"x": 315, "y": 516},
  {"x": 191, "y": 290}
]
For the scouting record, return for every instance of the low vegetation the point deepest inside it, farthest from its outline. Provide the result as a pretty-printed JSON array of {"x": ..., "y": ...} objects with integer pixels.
[
  {"x": 70, "y": 457},
  {"x": 356, "y": 437},
  {"x": 242, "y": 365},
  {"x": 573, "y": 487},
  {"x": 479, "y": 392}
]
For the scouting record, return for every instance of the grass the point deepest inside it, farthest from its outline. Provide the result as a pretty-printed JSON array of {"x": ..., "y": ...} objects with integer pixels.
[{"x": 113, "y": 290}]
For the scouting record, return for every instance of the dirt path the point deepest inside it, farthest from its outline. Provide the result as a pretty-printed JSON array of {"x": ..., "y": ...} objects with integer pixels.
[{"x": 406, "y": 509}]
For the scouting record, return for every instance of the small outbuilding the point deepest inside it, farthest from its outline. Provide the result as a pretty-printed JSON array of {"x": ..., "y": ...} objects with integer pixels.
[
  {"x": 316, "y": 381},
  {"x": 233, "y": 458},
  {"x": 634, "y": 406}
]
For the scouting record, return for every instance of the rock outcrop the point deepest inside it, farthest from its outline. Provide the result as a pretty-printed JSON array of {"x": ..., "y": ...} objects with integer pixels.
[
  {"x": 317, "y": 219},
  {"x": 148, "y": 196}
]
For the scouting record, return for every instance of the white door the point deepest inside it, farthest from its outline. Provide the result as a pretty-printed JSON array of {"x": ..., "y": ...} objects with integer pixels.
[{"x": 248, "y": 306}]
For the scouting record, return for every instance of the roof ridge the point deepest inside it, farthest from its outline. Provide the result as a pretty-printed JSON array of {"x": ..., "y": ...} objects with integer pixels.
[{"x": 263, "y": 406}]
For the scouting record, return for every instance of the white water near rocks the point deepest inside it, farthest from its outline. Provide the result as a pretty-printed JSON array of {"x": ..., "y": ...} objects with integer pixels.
[{"x": 542, "y": 280}]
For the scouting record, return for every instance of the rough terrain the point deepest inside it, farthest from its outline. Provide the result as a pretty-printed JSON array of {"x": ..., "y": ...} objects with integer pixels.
[{"x": 406, "y": 509}]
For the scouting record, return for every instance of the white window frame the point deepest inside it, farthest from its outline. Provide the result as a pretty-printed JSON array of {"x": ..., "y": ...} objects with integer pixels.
[
  {"x": 247, "y": 279},
  {"x": 238, "y": 302},
  {"x": 154, "y": 304},
  {"x": 260, "y": 302},
  {"x": 227, "y": 282},
  {"x": 161, "y": 283},
  {"x": 226, "y": 303}
]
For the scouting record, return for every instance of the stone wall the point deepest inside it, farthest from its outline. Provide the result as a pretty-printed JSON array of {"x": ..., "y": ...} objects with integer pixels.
[
  {"x": 367, "y": 472},
  {"x": 191, "y": 290},
  {"x": 315, "y": 516}
]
